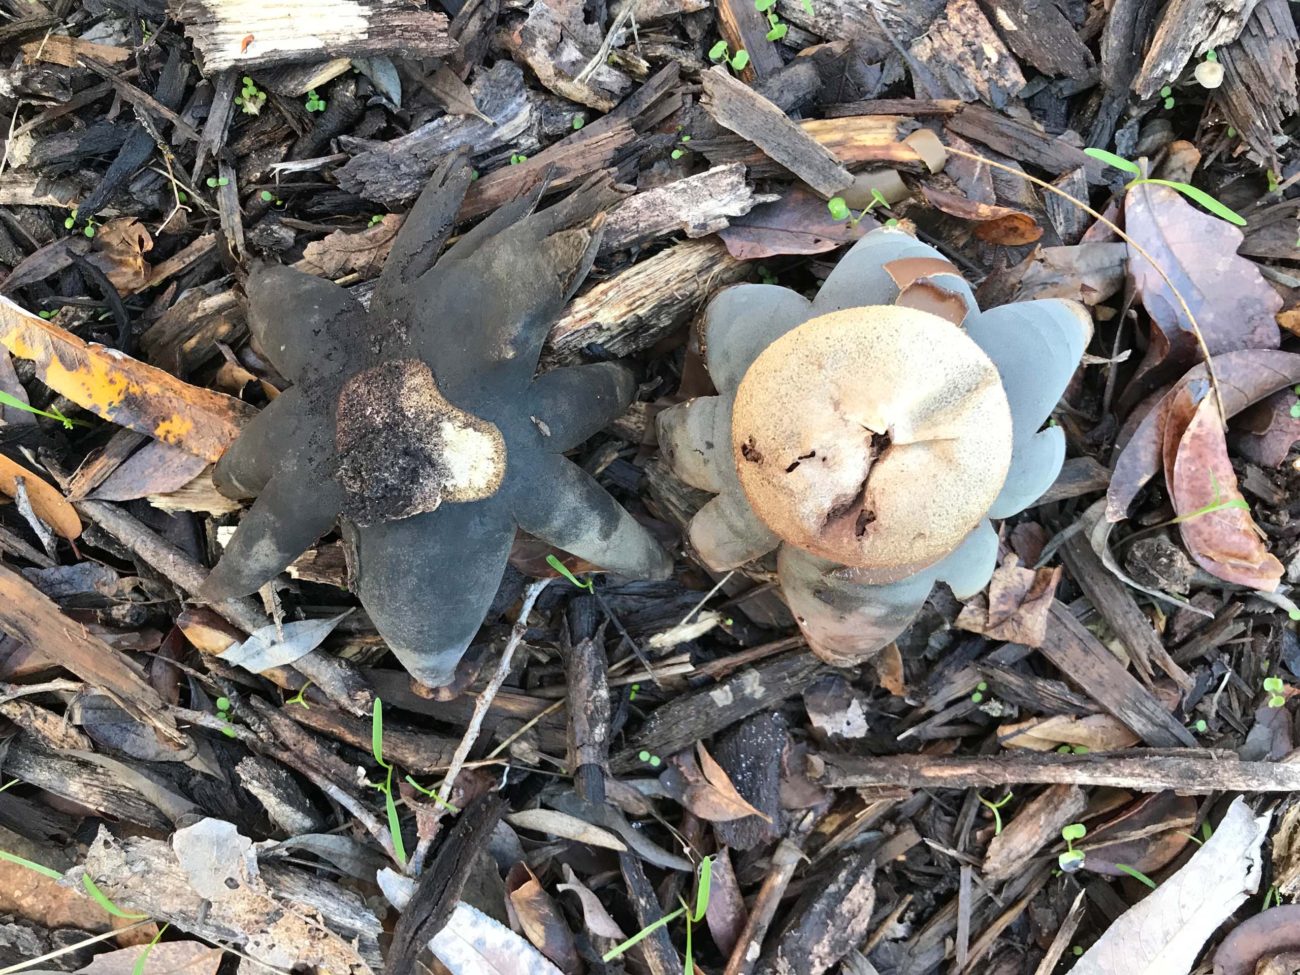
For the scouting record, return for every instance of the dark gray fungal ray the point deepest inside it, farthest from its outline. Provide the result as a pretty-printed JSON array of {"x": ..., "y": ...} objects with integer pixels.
[{"x": 420, "y": 422}]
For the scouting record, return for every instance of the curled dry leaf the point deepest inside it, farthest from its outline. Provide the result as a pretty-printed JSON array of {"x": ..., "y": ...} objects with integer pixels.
[
  {"x": 1017, "y": 605},
  {"x": 1096, "y": 732},
  {"x": 1266, "y": 431},
  {"x": 726, "y": 914},
  {"x": 1235, "y": 307},
  {"x": 540, "y": 919},
  {"x": 1163, "y": 934},
  {"x": 1146, "y": 835},
  {"x": 277, "y": 646},
  {"x": 594, "y": 914},
  {"x": 121, "y": 389},
  {"x": 1244, "y": 378},
  {"x": 798, "y": 223},
  {"x": 706, "y": 790},
  {"x": 45, "y": 499},
  {"x": 118, "y": 251},
  {"x": 1255, "y": 939},
  {"x": 1217, "y": 528},
  {"x": 362, "y": 252},
  {"x": 995, "y": 224}
]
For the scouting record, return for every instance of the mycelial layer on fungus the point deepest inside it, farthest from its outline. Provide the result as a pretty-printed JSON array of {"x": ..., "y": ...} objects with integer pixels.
[
  {"x": 870, "y": 435},
  {"x": 419, "y": 421}
]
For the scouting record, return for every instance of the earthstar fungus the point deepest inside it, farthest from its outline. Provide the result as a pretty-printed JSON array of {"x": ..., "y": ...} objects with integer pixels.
[
  {"x": 421, "y": 423},
  {"x": 870, "y": 435}
]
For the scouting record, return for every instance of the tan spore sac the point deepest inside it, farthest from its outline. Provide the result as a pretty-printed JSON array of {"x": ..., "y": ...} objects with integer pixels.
[{"x": 841, "y": 423}]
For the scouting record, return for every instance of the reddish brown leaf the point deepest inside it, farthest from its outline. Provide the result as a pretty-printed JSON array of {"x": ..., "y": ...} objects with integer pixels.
[
  {"x": 798, "y": 223},
  {"x": 44, "y": 498},
  {"x": 717, "y": 777},
  {"x": 1017, "y": 605},
  {"x": 1244, "y": 378},
  {"x": 362, "y": 252},
  {"x": 1234, "y": 306},
  {"x": 710, "y": 794},
  {"x": 119, "y": 249},
  {"x": 539, "y": 919},
  {"x": 995, "y": 224},
  {"x": 1226, "y": 541},
  {"x": 1146, "y": 835},
  {"x": 594, "y": 914},
  {"x": 1265, "y": 432},
  {"x": 1258, "y": 938}
]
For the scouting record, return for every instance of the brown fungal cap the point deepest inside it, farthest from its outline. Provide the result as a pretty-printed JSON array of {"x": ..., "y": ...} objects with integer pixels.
[
  {"x": 875, "y": 437},
  {"x": 403, "y": 449}
]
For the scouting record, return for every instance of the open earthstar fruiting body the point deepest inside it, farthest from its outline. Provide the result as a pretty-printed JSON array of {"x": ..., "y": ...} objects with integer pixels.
[
  {"x": 420, "y": 421},
  {"x": 870, "y": 435}
]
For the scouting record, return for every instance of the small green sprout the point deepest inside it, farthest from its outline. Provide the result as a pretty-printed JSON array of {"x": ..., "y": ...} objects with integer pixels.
[
  {"x": 298, "y": 698},
  {"x": 266, "y": 196},
  {"x": 1167, "y": 94},
  {"x": 1275, "y": 687},
  {"x": 563, "y": 570},
  {"x": 702, "y": 891},
  {"x": 1295, "y": 407},
  {"x": 1200, "y": 726},
  {"x": 578, "y": 122},
  {"x": 7, "y": 399},
  {"x": 1136, "y": 874},
  {"x": 251, "y": 98},
  {"x": 88, "y": 230},
  {"x": 223, "y": 712},
  {"x": 765, "y": 274},
  {"x": 777, "y": 29},
  {"x": 654, "y": 761},
  {"x": 839, "y": 209},
  {"x": 994, "y": 808},
  {"x": 390, "y": 805},
  {"x": 1271, "y": 898},
  {"x": 1072, "y": 859},
  {"x": 1274, "y": 180},
  {"x": 517, "y": 158},
  {"x": 314, "y": 102},
  {"x": 46, "y": 314},
  {"x": 720, "y": 53},
  {"x": 1191, "y": 192},
  {"x": 678, "y": 153},
  {"x": 978, "y": 695},
  {"x": 632, "y": 691},
  {"x": 1076, "y": 950},
  {"x": 1211, "y": 55},
  {"x": 215, "y": 181}
]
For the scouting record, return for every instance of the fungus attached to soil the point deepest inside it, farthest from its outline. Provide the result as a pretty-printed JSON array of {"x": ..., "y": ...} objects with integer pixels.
[
  {"x": 869, "y": 435},
  {"x": 421, "y": 423}
]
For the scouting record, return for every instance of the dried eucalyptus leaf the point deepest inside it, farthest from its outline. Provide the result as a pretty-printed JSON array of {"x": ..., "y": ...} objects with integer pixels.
[{"x": 265, "y": 649}]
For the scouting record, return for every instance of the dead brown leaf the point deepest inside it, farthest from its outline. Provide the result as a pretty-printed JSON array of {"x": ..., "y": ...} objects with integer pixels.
[
  {"x": 156, "y": 468},
  {"x": 705, "y": 789},
  {"x": 1096, "y": 732},
  {"x": 124, "y": 390},
  {"x": 119, "y": 249},
  {"x": 362, "y": 252},
  {"x": 1146, "y": 835},
  {"x": 594, "y": 914},
  {"x": 1256, "y": 939},
  {"x": 1017, "y": 605},
  {"x": 995, "y": 224},
  {"x": 1235, "y": 307},
  {"x": 1244, "y": 378},
  {"x": 1222, "y": 537},
  {"x": 726, "y": 914},
  {"x": 798, "y": 223},
  {"x": 889, "y": 670},
  {"x": 165, "y": 958},
  {"x": 67, "y": 51},
  {"x": 45, "y": 499},
  {"x": 1266, "y": 431},
  {"x": 540, "y": 919}
]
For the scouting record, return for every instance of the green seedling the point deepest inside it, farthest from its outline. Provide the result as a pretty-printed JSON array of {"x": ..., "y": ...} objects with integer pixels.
[
  {"x": 1200, "y": 726},
  {"x": 1072, "y": 749},
  {"x": 632, "y": 691},
  {"x": 1076, "y": 950},
  {"x": 88, "y": 230},
  {"x": 563, "y": 570},
  {"x": 578, "y": 122},
  {"x": 839, "y": 209},
  {"x": 654, "y": 761},
  {"x": 1275, "y": 687},
  {"x": 1189, "y": 191},
  {"x": 978, "y": 695},
  {"x": 390, "y": 805},
  {"x": 138, "y": 967},
  {"x": 1136, "y": 874},
  {"x": 517, "y": 158},
  {"x": 375, "y": 220},
  {"x": 720, "y": 53},
  {"x": 298, "y": 698},
  {"x": 251, "y": 98},
  {"x": 1072, "y": 859},
  {"x": 314, "y": 102},
  {"x": 46, "y": 314},
  {"x": 694, "y": 917},
  {"x": 994, "y": 808},
  {"x": 1167, "y": 94},
  {"x": 1295, "y": 407},
  {"x": 266, "y": 196},
  {"x": 215, "y": 181},
  {"x": 1274, "y": 180},
  {"x": 777, "y": 29},
  {"x": 766, "y": 276},
  {"x": 432, "y": 794},
  {"x": 1271, "y": 898},
  {"x": 223, "y": 712},
  {"x": 53, "y": 413}
]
